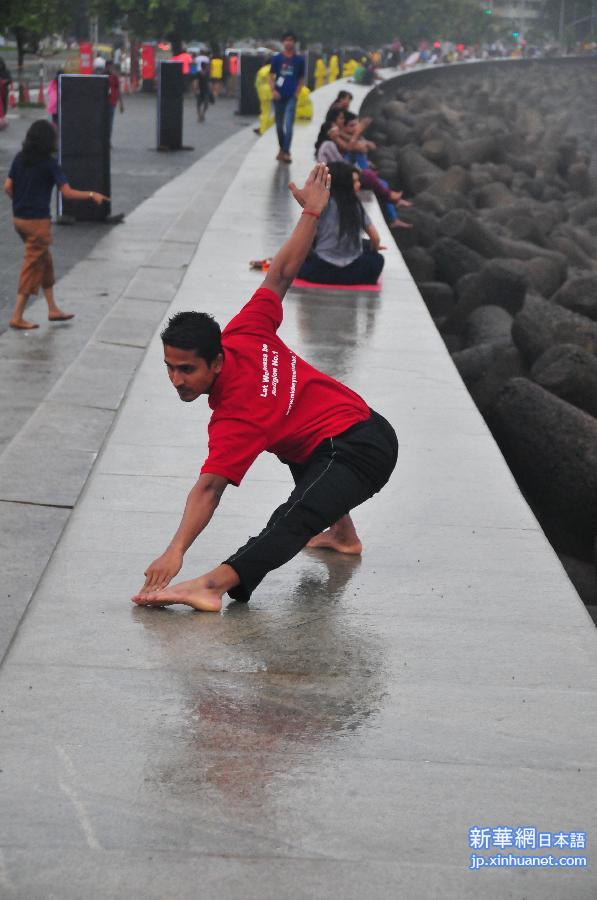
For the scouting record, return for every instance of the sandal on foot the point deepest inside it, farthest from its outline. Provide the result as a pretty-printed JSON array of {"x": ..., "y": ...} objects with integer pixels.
[
  {"x": 63, "y": 317},
  {"x": 23, "y": 326}
]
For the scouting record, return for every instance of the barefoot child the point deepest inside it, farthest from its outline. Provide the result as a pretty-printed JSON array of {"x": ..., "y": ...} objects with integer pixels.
[
  {"x": 30, "y": 182},
  {"x": 265, "y": 397}
]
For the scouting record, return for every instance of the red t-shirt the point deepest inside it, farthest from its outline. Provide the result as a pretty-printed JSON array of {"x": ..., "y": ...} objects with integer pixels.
[
  {"x": 268, "y": 398},
  {"x": 113, "y": 89}
]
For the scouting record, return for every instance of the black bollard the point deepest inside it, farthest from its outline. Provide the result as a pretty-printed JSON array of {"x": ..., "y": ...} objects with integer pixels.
[
  {"x": 84, "y": 144},
  {"x": 170, "y": 106}
]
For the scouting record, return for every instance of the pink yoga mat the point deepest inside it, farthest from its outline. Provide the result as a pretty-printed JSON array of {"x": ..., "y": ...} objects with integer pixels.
[{"x": 313, "y": 285}]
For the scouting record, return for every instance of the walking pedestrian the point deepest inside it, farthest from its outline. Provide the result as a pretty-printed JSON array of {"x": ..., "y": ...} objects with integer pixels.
[
  {"x": 114, "y": 95},
  {"x": 216, "y": 74},
  {"x": 52, "y": 99},
  {"x": 5, "y": 83},
  {"x": 31, "y": 179},
  {"x": 202, "y": 90},
  {"x": 287, "y": 74}
]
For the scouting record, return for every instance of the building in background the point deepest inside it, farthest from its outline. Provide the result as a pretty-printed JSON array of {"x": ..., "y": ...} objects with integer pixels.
[{"x": 517, "y": 16}]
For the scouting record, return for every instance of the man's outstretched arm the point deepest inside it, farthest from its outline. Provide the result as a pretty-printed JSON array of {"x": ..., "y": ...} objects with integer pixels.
[
  {"x": 200, "y": 507},
  {"x": 313, "y": 197}
]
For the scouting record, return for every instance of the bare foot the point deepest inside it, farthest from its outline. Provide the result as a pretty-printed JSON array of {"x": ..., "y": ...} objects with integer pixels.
[
  {"x": 403, "y": 202},
  {"x": 190, "y": 593},
  {"x": 327, "y": 541},
  {"x": 60, "y": 316},
  {"x": 398, "y": 223},
  {"x": 23, "y": 325}
]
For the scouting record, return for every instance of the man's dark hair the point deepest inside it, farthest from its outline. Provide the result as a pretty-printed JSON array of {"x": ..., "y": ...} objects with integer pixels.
[
  {"x": 342, "y": 95},
  {"x": 39, "y": 143},
  {"x": 195, "y": 331},
  {"x": 289, "y": 34}
]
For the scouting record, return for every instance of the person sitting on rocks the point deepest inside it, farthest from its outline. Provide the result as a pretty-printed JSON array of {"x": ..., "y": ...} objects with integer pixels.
[
  {"x": 342, "y": 101},
  {"x": 327, "y": 150},
  {"x": 357, "y": 145},
  {"x": 338, "y": 254}
]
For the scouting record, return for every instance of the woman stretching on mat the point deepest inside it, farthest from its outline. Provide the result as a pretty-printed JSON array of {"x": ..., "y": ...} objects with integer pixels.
[
  {"x": 30, "y": 182},
  {"x": 338, "y": 254}
]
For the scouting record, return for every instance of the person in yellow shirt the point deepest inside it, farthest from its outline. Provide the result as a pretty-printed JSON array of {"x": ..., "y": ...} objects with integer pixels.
[
  {"x": 349, "y": 68},
  {"x": 216, "y": 74},
  {"x": 304, "y": 104},
  {"x": 334, "y": 70},
  {"x": 320, "y": 73},
  {"x": 264, "y": 92}
]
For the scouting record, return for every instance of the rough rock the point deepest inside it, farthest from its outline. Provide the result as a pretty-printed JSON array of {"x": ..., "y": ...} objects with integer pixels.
[
  {"x": 570, "y": 373},
  {"x": 541, "y": 324},
  {"x": 579, "y": 295},
  {"x": 453, "y": 260},
  {"x": 551, "y": 448},
  {"x": 485, "y": 368},
  {"x": 487, "y": 324},
  {"x": 438, "y": 297}
]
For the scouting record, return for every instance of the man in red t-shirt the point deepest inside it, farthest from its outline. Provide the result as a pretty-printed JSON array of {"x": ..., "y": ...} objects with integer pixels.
[
  {"x": 265, "y": 397},
  {"x": 114, "y": 94}
]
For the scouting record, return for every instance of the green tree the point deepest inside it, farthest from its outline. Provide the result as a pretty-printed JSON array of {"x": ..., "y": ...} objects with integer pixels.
[{"x": 31, "y": 20}]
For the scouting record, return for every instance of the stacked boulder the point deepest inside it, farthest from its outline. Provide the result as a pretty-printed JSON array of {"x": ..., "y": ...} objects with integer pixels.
[{"x": 504, "y": 251}]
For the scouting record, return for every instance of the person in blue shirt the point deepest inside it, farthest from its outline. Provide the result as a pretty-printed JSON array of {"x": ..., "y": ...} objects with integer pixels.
[
  {"x": 287, "y": 74},
  {"x": 33, "y": 174}
]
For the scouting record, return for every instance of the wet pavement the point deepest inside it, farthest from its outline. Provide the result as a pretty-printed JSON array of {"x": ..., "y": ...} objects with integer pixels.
[
  {"x": 338, "y": 736},
  {"x": 63, "y": 384}
]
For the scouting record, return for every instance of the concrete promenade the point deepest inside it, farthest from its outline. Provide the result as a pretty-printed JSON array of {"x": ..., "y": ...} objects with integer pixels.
[{"x": 338, "y": 737}]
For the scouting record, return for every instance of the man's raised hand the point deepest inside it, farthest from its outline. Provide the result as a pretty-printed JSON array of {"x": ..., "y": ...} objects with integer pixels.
[{"x": 316, "y": 191}]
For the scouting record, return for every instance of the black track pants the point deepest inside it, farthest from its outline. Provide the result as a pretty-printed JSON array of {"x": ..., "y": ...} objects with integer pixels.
[{"x": 341, "y": 473}]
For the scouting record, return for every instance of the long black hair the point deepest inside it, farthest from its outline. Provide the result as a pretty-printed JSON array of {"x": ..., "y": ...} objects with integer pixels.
[
  {"x": 330, "y": 120},
  {"x": 350, "y": 211},
  {"x": 39, "y": 143}
]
